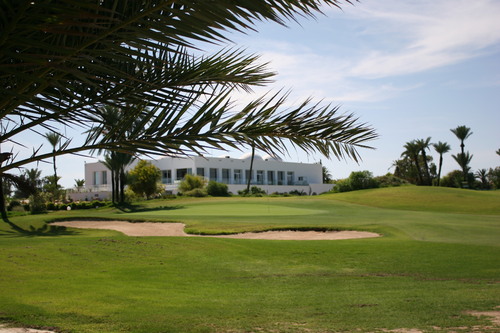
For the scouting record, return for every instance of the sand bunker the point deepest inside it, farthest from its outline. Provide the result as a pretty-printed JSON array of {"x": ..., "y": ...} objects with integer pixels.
[{"x": 177, "y": 229}]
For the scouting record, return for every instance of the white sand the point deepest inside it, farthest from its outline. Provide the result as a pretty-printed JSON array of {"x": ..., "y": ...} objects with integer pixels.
[{"x": 177, "y": 229}]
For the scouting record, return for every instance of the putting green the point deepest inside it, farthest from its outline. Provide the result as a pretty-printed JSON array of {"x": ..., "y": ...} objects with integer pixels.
[{"x": 233, "y": 210}]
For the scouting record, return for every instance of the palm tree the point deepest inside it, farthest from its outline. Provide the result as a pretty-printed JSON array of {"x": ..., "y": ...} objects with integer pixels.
[
  {"x": 463, "y": 160},
  {"x": 79, "y": 183},
  {"x": 412, "y": 150},
  {"x": 482, "y": 175},
  {"x": 423, "y": 145},
  {"x": 441, "y": 148},
  {"x": 54, "y": 140},
  {"x": 462, "y": 133},
  {"x": 140, "y": 56},
  {"x": 327, "y": 176}
]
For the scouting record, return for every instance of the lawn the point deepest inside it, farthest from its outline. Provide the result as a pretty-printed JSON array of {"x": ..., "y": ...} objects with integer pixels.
[{"x": 430, "y": 268}]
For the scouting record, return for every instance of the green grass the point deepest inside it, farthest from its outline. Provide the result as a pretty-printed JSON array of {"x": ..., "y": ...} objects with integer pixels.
[
  {"x": 428, "y": 269},
  {"x": 423, "y": 198}
]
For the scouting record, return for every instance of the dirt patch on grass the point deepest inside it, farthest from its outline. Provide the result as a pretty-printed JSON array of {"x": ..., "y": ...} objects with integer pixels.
[{"x": 177, "y": 229}]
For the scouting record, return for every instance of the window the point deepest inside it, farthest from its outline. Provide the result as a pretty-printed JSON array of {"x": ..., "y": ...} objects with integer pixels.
[
  {"x": 200, "y": 172},
  {"x": 237, "y": 176},
  {"x": 247, "y": 176},
  {"x": 166, "y": 176},
  {"x": 270, "y": 178},
  {"x": 213, "y": 174},
  {"x": 225, "y": 176},
  {"x": 281, "y": 178},
  {"x": 96, "y": 178},
  {"x": 260, "y": 177},
  {"x": 289, "y": 178},
  {"x": 180, "y": 173},
  {"x": 100, "y": 178}
]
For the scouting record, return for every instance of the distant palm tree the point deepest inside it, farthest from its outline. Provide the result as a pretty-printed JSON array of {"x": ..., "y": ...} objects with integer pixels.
[
  {"x": 463, "y": 160},
  {"x": 462, "y": 133},
  {"x": 412, "y": 151},
  {"x": 55, "y": 141},
  {"x": 327, "y": 176},
  {"x": 498, "y": 151},
  {"x": 423, "y": 145},
  {"x": 441, "y": 148},
  {"x": 482, "y": 175},
  {"x": 79, "y": 183}
]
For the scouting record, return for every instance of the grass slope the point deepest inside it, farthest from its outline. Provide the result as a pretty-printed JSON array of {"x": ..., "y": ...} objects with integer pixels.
[
  {"x": 425, "y": 198},
  {"x": 428, "y": 270}
]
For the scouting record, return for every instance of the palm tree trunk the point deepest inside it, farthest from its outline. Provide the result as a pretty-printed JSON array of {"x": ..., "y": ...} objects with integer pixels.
[
  {"x": 122, "y": 185},
  {"x": 440, "y": 165},
  {"x": 419, "y": 171},
  {"x": 251, "y": 169},
  {"x": 113, "y": 186},
  {"x": 55, "y": 171},
  {"x": 427, "y": 173},
  {"x": 3, "y": 208}
]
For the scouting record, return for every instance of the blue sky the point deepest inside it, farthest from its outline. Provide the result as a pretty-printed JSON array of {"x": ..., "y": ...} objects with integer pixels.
[{"x": 411, "y": 69}]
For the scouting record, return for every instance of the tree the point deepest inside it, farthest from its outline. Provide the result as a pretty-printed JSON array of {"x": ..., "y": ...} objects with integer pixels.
[
  {"x": 441, "y": 148},
  {"x": 463, "y": 160},
  {"x": 144, "y": 179},
  {"x": 412, "y": 150},
  {"x": 31, "y": 178},
  {"x": 423, "y": 145},
  {"x": 54, "y": 140},
  {"x": 462, "y": 133},
  {"x": 482, "y": 176},
  {"x": 494, "y": 177},
  {"x": 79, "y": 183},
  {"x": 327, "y": 176},
  {"x": 60, "y": 61}
]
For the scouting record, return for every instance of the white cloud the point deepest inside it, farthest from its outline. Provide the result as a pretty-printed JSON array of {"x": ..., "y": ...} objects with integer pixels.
[{"x": 432, "y": 34}]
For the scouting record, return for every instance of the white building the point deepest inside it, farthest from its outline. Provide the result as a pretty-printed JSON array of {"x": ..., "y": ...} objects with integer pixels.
[{"x": 270, "y": 174}]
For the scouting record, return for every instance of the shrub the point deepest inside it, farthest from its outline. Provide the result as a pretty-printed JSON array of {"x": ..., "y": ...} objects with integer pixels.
[
  {"x": 494, "y": 177},
  {"x": 217, "y": 189},
  {"x": 37, "y": 204},
  {"x": 455, "y": 179},
  {"x": 342, "y": 185},
  {"x": 389, "y": 180},
  {"x": 190, "y": 182},
  {"x": 297, "y": 192},
  {"x": 358, "y": 180},
  {"x": 13, "y": 204},
  {"x": 197, "y": 192},
  {"x": 254, "y": 192}
]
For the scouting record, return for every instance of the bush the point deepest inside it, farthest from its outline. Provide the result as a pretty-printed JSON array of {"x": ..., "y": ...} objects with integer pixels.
[
  {"x": 297, "y": 192},
  {"x": 197, "y": 192},
  {"x": 494, "y": 177},
  {"x": 389, "y": 180},
  {"x": 455, "y": 179},
  {"x": 37, "y": 204},
  {"x": 254, "y": 192},
  {"x": 190, "y": 182},
  {"x": 217, "y": 189},
  {"x": 13, "y": 204},
  {"x": 358, "y": 180}
]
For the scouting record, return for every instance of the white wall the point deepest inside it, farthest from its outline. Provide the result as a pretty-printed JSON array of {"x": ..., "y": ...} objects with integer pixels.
[{"x": 310, "y": 173}]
